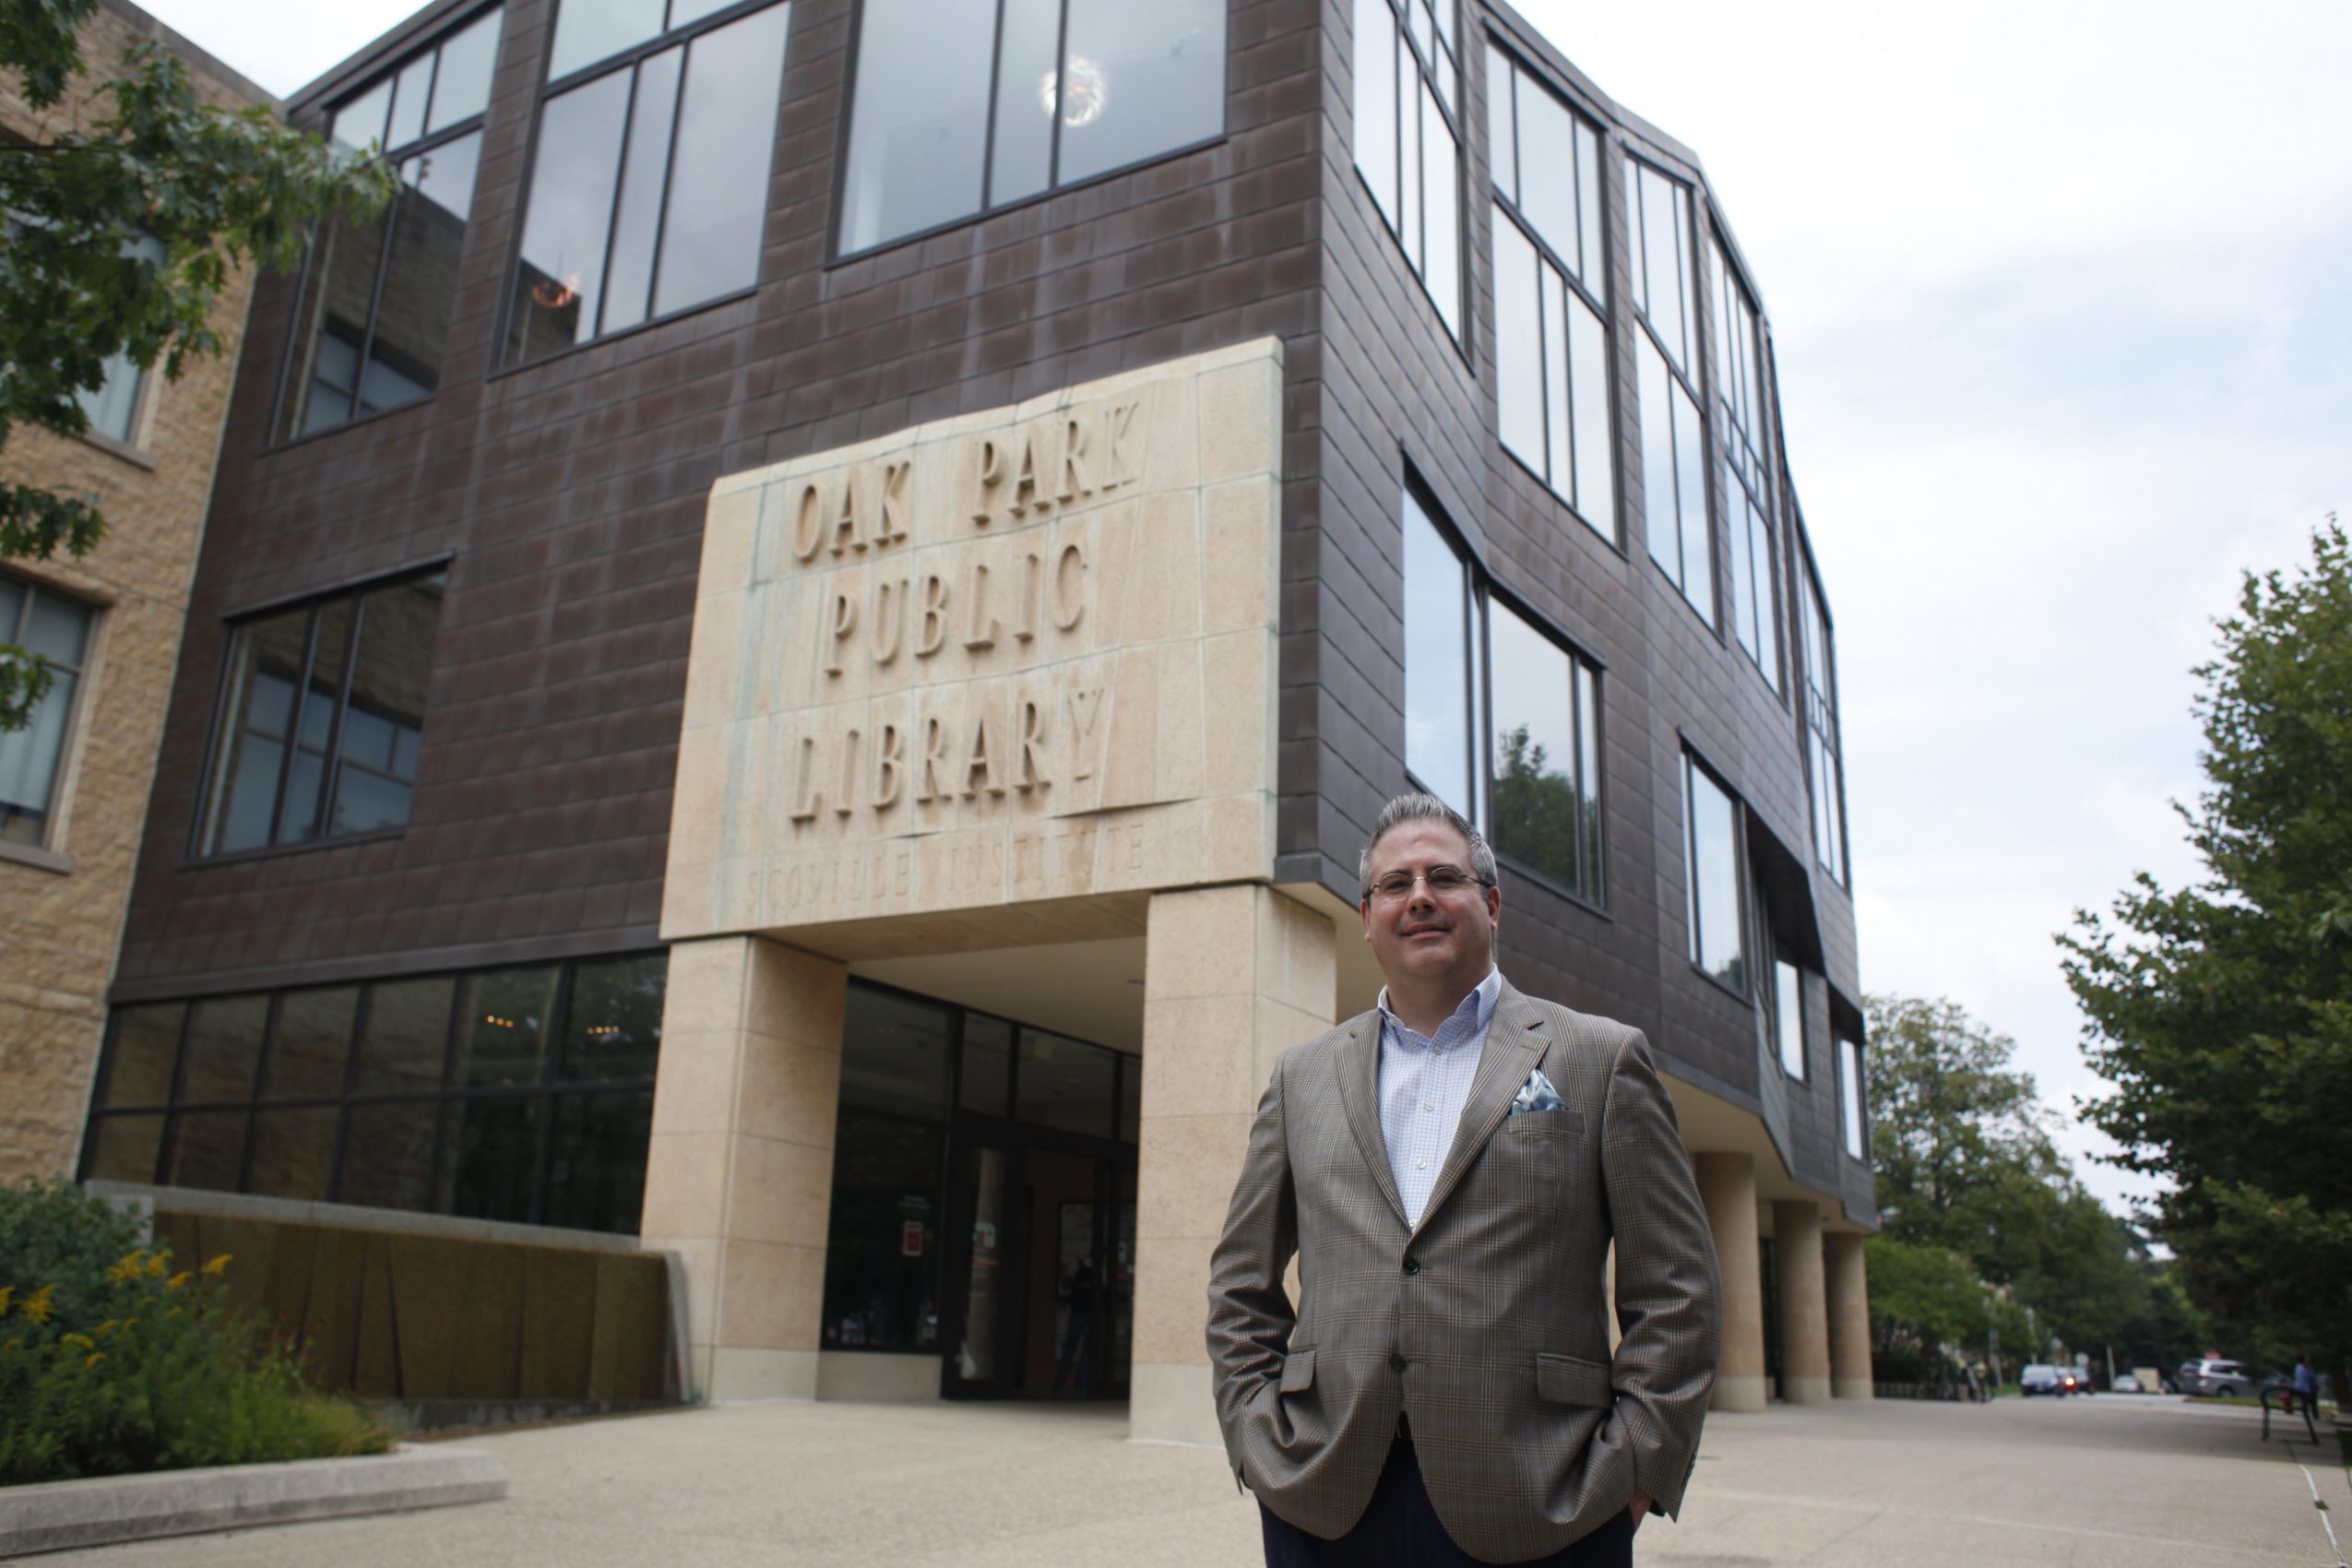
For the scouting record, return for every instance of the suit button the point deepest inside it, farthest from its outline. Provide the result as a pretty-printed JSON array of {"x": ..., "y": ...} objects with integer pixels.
[
  {"x": 1412, "y": 1265},
  {"x": 1397, "y": 1361}
]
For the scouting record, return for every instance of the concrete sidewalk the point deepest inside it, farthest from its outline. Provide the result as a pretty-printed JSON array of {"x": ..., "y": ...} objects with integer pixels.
[{"x": 2108, "y": 1483}]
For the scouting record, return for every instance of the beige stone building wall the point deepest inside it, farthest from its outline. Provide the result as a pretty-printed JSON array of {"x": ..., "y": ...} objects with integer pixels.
[{"x": 62, "y": 905}]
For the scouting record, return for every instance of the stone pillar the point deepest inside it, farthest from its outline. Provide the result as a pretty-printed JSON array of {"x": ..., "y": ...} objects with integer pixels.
[
  {"x": 739, "y": 1175},
  {"x": 1850, "y": 1318},
  {"x": 1804, "y": 1310},
  {"x": 1727, "y": 1187},
  {"x": 1232, "y": 977}
]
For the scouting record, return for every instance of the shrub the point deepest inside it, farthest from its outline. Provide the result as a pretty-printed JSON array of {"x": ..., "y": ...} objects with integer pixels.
[{"x": 116, "y": 1358}]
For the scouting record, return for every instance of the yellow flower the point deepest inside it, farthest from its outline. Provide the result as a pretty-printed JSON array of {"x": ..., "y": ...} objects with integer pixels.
[
  {"x": 128, "y": 1267},
  {"x": 84, "y": 1340},
  {"x": 17, "y": 1343},
  {"x": 8, "y": 1293},
  {"x": 37, "y": 1305},
  {"x": 106, "y": 1327},
  {"x": 218, "y": 1264},
  {"x": 179, "y": 1279},
  {"x": 159, "y": 1265},
  {"x": 92, "y": 1359},
  {"x": 173, "y": 1313}
]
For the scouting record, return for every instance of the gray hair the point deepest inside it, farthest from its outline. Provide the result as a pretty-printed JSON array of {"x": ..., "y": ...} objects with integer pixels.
[{"x": 1419, "y": 807}]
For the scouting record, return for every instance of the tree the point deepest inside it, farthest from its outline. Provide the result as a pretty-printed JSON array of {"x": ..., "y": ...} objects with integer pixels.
[
  {"x": 119, "y": 235},
  {"x": 2222, "y": 1011},
  {"x": 1968, "y": 1168}
]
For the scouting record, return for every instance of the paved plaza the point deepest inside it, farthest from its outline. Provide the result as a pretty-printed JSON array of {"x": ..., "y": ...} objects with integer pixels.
[{"x": 2107, "y": 1482}]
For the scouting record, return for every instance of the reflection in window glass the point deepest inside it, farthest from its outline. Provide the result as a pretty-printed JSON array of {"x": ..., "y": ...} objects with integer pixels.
[
  {"x": 882, "y": 1254},
  {"x": 208, "y": 1147},
  {"x": 596, "y": 1160},
  {"x": 1545, "y": 809},
  {"x": 294, "y": 1152},
  {"x": 1552, "y": 354},
  {"x": 640, "y": 211},
  {"x": 123, "y": 1148},
  {"x": 1850, "y": 1085},
  {"x": 1712, "y": 855},
  {"x": 405, "y": 1038},
  {"x": 1437, "y": 705},
  {"x": 372, "y": 324},
  {"x": 987, "y": 1065},
  {"x": 1674, "y": 480},
  {"x": 145, "y": 1050},
  {"x": 489, "y": 1157},
  {"x": 224, "y": 1048},
  {"x": 311, "y": 1043},
  {"x": 1820, "y": 723},
  {"x": 298, "y": 698},
  {"x": 1788, "y": 1017},
  {"x": 589, "y": 30},
  {"x": 504, "y": 1016},
  {"x": 1747, "y": 485},
  {"x": 55, "y": 630},
  {"x": 894, "y": 1053},
  {"x": 1080, "y": 87},
  {"x": 387, "y": 1154},
  {"x": 1407, "y": 144},
  {"x": 614, "y": 1027},
  {"x": 1067, "y": 1084}
]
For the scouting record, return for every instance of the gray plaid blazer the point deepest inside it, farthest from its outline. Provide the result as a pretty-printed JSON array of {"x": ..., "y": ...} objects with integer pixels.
[{"x": 1487, "y": 1323}]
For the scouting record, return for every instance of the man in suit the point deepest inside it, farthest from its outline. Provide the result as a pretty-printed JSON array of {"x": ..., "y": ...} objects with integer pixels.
[{"x": 1449, "y": 1170}]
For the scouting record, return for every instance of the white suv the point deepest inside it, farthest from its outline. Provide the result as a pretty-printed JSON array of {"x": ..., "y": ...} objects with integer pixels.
[{"x": 2214, "y": 1377}]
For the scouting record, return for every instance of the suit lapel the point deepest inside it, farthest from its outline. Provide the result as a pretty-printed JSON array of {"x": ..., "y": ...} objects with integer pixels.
[
  {"x": 1514, "y": 1043},
  {"x": 1360, "y": 1098}
]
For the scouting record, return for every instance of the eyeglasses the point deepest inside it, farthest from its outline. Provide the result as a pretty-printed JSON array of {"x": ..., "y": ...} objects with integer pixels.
[{"x": 1444, "y": 882}]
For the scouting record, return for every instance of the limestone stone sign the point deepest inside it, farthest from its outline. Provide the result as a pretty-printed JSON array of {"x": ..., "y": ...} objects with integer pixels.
[{"x": 996, "y": 661}]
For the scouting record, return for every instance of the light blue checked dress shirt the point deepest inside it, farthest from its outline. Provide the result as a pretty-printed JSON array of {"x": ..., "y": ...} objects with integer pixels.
[{"x": 1424, "y": 1082}]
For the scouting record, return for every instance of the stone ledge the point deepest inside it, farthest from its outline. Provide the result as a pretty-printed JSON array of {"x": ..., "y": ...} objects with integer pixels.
[{"x": 57, "y": 1515}]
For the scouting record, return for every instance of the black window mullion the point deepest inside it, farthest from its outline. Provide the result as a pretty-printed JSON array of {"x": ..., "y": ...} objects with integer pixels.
[
  {"x": 620, "y": 179},
  {"x": 987, "y": 137},
  {"x": 668, "y": 169},
  {"x": 363, "y": 1011},
  {"x": 260, "y": 1081},
  {"x": 330, "y": 768},
  {"x": 375, "y": 295},
  {"x": 446, "y": 1098},
  {"x": 1061, "y": 92},
  {"x": 294, "y": 721},
  {"x": 559, "y": 1018}
]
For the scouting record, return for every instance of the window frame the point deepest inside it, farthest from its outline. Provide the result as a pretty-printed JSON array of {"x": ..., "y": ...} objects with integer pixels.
[
  {"x": 1481, "y": 593},
  {"x": 1730, "y": 287},
  {"x": 1693, "y": 378},
  {"x": 1744, "y": 881},
  {"x": 65, "y": 772},
  {"x": 1457, "y": 327},
  {"x": 838, "y": 185},
  {"x": 1783, "y": 961},
  {"x": 503, "y": 361},
  {"x": 544, "y": 1094},
  {"x": 477, "y": 124},
  {"x": 355, "y": 590},
  {"x": 1853, "y": 1100},
  {"x": 1820, "y": 720}
]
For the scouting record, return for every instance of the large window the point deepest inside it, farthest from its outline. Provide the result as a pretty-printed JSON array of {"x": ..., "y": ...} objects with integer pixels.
[
  {"x": 1407, "y": 139},
  {"x": 114, "y": 407},
  {"x": 1502, "y": 718},
  {"x": 372, "y": 326},
  {"x": 1821, "y": 731},
  {"x": 1740, "y": 409},
  {"x": 1551, "y": 272},
  {"x": 965, "y": 105},
  {"x": 649, "y": 181},
  {"x": 518, "y": 1094},
  {"x": 321, "y": 718},
  {"x": 1711, "y": 852},
  {"x": 54, "y": 631},
  {"x": 1850, "y": 1100},
  {"x": 911, "y": 1068},
  {"x": 1666, "y": 292},
  {"x": 1789, "y": 1015}
]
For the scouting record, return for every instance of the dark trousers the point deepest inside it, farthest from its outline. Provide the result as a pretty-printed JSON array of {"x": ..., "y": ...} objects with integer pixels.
[{"x": 1400, "y": 1529}]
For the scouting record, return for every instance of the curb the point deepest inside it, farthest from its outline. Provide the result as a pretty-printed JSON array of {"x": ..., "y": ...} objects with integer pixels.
[{"x": 57, "y": 1515}]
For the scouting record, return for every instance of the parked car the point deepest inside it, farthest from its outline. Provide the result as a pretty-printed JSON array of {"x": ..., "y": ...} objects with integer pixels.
[
  {"x": 2126, "y": 1383},
  {"x": 2214, "y": 1376},
  {"x": 2042, "y": 1379}
]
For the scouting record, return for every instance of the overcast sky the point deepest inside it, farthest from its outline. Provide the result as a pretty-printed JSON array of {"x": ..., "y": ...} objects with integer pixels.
[{"x": 2064, "y": 342}]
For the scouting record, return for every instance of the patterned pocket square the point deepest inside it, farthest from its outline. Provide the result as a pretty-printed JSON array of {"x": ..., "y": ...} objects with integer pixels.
[{"x": 1537, "y": 1094}]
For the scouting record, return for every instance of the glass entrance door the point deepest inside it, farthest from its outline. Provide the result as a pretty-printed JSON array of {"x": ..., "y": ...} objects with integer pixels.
[{"x": 1042, "y": 1274}]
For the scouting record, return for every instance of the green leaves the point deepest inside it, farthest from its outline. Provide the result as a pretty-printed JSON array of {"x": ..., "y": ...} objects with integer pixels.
[
  {"x": 120, "y": 237},
  {"x": 2223, "y": 1012}
]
